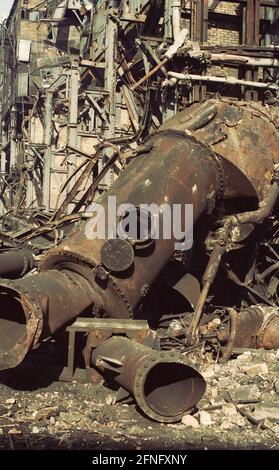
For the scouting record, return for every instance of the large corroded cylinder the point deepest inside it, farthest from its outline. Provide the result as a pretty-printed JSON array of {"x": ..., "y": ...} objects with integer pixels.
[
  {"x": 175, "y": 169},
  {"x": 245, "y": 134},
  {"x": 210, "y": 150}
]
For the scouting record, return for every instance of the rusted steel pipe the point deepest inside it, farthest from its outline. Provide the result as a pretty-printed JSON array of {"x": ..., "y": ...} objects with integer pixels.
[
  {"x": 34, "y": 308},
  {"x": 255, "y": 327},
  {"x": 150, "y": 73},
  {"x": 208, "y": 279},
  {"x": 165, "y": 387},
  {"x": 179, "y": 39},
  {"x": 15, "y": 263},
  {"x": 244, "y": 59},
  {"x": 266, "y": 207},
  {"x": 226, "y": 353},
  {"x": 225, "y": 80}
]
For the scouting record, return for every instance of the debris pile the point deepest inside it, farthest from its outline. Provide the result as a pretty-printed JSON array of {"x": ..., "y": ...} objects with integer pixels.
[{"x": 238, "y": 410}]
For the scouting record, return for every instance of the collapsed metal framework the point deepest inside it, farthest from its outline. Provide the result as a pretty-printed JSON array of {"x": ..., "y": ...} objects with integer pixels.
[
  {"x": 136, "y": 99},
  {"x": 77, "y": 72}
]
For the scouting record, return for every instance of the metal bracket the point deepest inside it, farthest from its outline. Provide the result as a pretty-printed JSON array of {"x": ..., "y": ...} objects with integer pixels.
[{"x": 98, "y": 330}]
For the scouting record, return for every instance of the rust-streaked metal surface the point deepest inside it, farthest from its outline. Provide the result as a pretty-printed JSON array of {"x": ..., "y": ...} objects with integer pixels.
[
  {"x": 15, "y": 263},
  {"x": 268, "y": 335},
  {"x": 163, "y": 384},
  {"x": 176, "y": 170},
  {"x": 254, "y": 327},
  {"x": 190, "y": 288},
  {"x": 244, "y": 134},
  {"x": 222, "y": 154},
  {"x": 33, "y": 308}
]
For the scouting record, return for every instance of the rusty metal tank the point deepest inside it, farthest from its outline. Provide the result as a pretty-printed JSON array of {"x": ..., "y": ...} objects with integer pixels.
[
  {"x": 208, "y": 151},
  {"x": 245, "y": 134}
]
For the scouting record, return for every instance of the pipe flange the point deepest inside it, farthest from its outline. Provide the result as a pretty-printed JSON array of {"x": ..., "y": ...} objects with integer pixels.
[
  {"x": 63, "y": 260},
  {"x": 120, "y": 293},
  {"x": 220, "y": 174},
  {"x": 31, "y": 306},
  {"x": 33, "y": 326},
  {"x": 57, "y": 257},
  {"x": 268, "y": 319},
  {"x": 117, "y": 255},
  {"x": 145, "y": 367}
]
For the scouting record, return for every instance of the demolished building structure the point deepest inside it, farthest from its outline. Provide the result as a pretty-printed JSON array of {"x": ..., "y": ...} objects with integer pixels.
[{"x": 149, "y": 101}]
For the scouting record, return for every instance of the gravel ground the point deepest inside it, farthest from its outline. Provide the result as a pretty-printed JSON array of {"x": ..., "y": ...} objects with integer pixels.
[{"x": 240, "y": 410}]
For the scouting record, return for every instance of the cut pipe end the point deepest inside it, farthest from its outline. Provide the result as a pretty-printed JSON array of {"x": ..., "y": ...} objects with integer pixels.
[
  {"x": 18, "y": 326},
  {"x": 34, "y": 308},
  {"x": 166, "y": 387}
]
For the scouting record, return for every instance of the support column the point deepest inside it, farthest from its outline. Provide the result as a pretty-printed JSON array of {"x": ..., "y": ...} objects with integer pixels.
[
  {"x": 110, "y": 86},
  {"x": 72, "y": 137},
  {"x": 47, "y": 156},
  {"x": 13, "y": 145},
  {"x": 199, "y": 34},
  {"x": 252, "y": 39}
]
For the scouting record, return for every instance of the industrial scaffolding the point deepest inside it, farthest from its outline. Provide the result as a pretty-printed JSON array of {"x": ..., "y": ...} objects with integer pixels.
[{"x": 77, "y": 73}]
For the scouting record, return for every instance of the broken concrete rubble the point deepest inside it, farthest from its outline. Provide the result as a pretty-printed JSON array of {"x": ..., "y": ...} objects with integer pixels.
[
  {"x": 205, "y": 418},
  {"x": 264, "y": 411},
  {"x": 191, "y": 421},
  {"x": 255, "y": 369},
  {"x": 232, "y": 424},
  {"x": 245, "y": 392}
]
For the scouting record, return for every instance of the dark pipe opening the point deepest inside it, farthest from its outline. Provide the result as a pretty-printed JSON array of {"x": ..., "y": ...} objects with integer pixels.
[
  {"x": 13, "y": 328},
  {"x": 12, "y": 320},
  {"x": 171, "y": 389}
]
